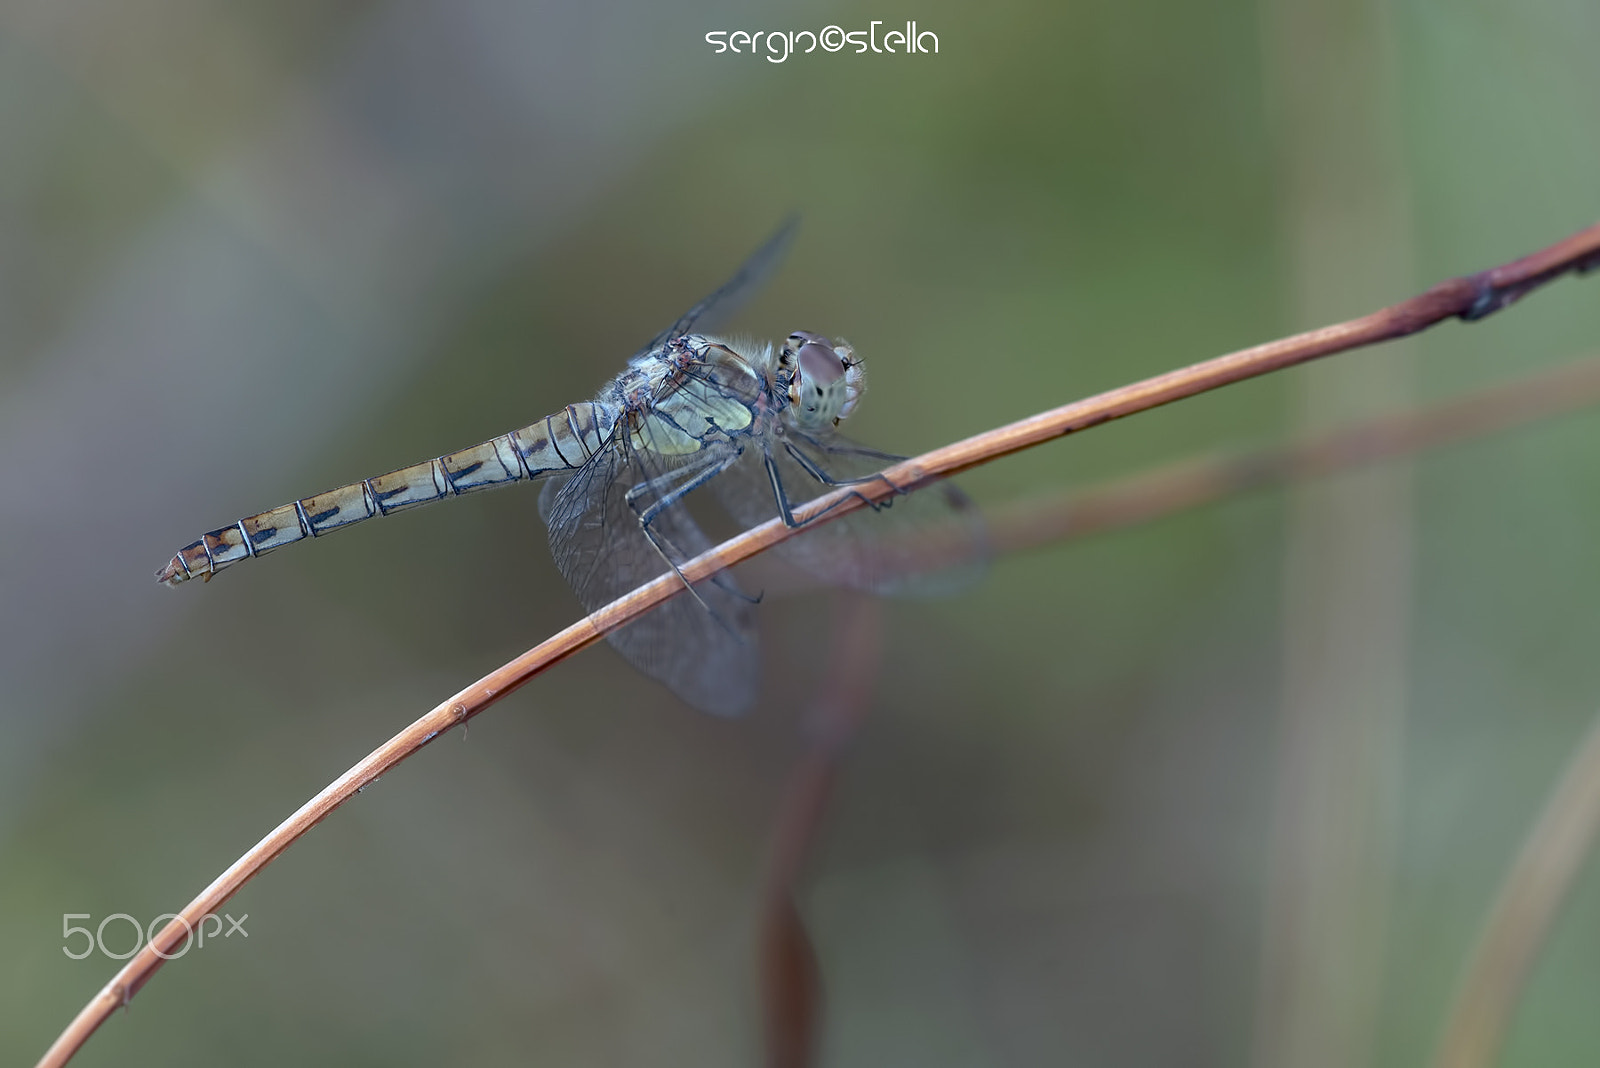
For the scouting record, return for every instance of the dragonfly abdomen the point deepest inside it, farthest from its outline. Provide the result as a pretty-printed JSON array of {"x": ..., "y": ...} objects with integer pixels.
[{"x": 559, "y": 442}]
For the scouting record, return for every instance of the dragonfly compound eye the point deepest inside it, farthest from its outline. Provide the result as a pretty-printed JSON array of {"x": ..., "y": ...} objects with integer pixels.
[
  {"x": 820, "y": 393},
  {"x": 820, "y": 366}
]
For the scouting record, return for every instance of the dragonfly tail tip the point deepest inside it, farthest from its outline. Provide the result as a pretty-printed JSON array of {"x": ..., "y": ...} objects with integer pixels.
[{"x": 172, "y": 574}]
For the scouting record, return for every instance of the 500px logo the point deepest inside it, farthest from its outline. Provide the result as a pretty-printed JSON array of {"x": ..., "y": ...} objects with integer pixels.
[
  {"x": 192, "y": 936},
  {"x": 780, "y": 45}
]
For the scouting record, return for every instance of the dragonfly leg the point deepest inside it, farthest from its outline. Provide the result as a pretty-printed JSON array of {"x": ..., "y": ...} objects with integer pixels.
[
  {"x": 816, "y": 471},
  {"x": 694, "y": 480},
  {"x": 852, "y": 450}
]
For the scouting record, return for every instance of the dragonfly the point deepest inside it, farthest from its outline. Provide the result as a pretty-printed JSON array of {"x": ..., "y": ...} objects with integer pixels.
[{"x": 754, "y": 422}]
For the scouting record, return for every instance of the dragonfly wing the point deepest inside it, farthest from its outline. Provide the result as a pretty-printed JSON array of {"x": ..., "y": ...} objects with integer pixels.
[
  {"x": 748, "y": 280},
  {"x": 930, "y": 542},
  {"x": 708, "y": 658}
]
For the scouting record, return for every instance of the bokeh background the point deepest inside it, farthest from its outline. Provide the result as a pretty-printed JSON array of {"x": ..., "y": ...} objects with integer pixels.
[{"x": 1233, "y": 787}]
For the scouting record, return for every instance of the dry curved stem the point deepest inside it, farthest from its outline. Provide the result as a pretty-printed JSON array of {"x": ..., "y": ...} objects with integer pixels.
[
  {"x": 1053, "y": 517},
  {"x": 1529, "y": 899},
  {"x": 1470, "y": 298}
]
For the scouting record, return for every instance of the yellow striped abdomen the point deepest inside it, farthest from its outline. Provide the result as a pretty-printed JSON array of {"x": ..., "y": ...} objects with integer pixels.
[{"x": 558, "y": 442}]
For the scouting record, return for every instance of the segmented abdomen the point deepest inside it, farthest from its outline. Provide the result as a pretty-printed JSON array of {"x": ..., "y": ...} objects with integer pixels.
[{"x": 558, "y": 442}]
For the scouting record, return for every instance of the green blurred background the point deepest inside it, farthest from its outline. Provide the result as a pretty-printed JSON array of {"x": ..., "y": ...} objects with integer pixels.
[{"x": 1234, "y": 787}]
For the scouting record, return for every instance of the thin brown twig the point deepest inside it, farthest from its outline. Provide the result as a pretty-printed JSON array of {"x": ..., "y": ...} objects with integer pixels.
[
  {"x": 1470, "y": 298},
  {"x": 1054, "y": 517},
  {"x": 1532, "y": 894}
]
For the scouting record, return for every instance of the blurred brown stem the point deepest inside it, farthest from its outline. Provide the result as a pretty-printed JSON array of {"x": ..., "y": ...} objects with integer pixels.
[
  {"x": 1470, "y": 298},
  {"x": 1529, "y": 899},
  {"x": 790, "y": 979}
]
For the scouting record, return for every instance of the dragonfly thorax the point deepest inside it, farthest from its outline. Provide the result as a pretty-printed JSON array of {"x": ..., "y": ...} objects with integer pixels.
[
  {"x": 823, "y": 379},
  {"x": 694, "y": 393}
]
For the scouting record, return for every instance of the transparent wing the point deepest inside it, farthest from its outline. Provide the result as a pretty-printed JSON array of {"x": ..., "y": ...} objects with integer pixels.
[
  {"x": 708, "y": 658},
  {"x": 929, "y": 542},
  {"x": 748, "y": 280}
]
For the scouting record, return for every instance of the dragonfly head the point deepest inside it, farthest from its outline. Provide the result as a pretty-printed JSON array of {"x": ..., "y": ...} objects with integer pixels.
[{"x": 825, "y": 380}]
